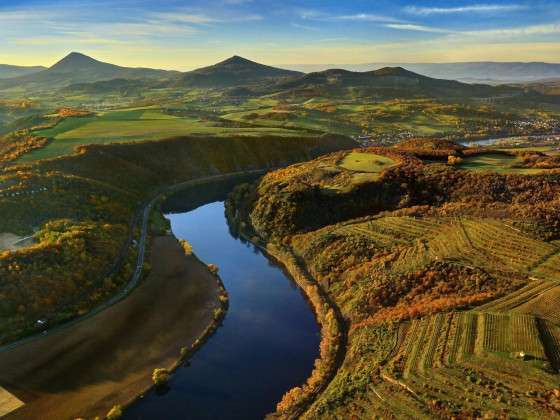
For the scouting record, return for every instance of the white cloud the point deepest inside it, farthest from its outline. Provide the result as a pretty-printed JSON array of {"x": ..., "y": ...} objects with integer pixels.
[
  {"x": 358, "y": 17},
  {"x": 304, "y": 27},
  {"x": 365, "y": 17},
  {"x": 547, "y": 29},
  {"x": 513, "y": 33},
  {"x": 185, "y": 18},
  {"x": 417, "y": 28},
  {"x": 203, "y": 19},
  {"x": 475, "y": 8}
]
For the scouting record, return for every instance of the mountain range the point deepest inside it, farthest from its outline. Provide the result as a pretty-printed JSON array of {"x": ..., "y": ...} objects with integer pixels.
[
  {"x": 470, "y": 72},
  {"x": 78, "y": 72},
  {"x": 232, "y": 72},
  {"x": 79, "y": 68},
  {"x": 384, "y": 82},
  {"x": 8, "y": 71}
]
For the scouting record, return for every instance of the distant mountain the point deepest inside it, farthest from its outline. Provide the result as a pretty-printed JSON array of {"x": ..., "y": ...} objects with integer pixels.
[
  {"x": 79, "y": 68},
  {"x": 488, "y": 71},
  {"x": 481, "y": 72},
  {"x": 234, "y": 71},
  {"x": 385, "y": 82},
  {"x": 8, "y": 71}
]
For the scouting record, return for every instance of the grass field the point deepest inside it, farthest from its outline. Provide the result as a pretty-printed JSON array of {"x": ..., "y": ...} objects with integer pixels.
[
  {"x": 366, "y": 162},
  {"x": 496, "y": 162},
  {"x": 365, "y": 167},
  {"x": 132, "y": 125}
]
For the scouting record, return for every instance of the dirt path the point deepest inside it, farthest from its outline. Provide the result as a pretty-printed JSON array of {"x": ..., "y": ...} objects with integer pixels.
[{"x": 82, "y": 371}]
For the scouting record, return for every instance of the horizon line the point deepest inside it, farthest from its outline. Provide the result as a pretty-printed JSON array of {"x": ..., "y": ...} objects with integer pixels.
[{"x": 294, "y": 64}]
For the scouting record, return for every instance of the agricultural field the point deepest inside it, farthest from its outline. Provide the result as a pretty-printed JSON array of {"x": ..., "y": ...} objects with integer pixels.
[
  {"x": 500, "y": 163},
  {"x": 130, "y": 125},
  {"x": 156, "y": 113},
  {"x": 355, "y": 116}
]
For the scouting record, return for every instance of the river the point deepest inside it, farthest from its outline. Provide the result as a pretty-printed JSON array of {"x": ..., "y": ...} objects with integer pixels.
[
  {"x": 510, "y": 139},
  {"x": 266, "y": 345}
]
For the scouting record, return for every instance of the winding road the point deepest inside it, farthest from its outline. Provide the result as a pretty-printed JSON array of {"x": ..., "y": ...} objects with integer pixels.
[
  {"x": 137, "y": 275},
  {"x": 111, "y": 349}
]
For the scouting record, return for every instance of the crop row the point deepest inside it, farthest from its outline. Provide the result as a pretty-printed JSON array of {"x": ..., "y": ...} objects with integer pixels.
[
  {"x": 413, "y": 357},
  {"x": 481, "y": 242},
  {"x": 382, "y": 239},
  {"x": 427, "y": 341},
  {"x": 546, "y": 305},
  {"x": 501, "y": 246},
  {"x": 550, "y": 336},
  {"x": 550, "y": 268},
  {"x": 528, "y": 292},
  {"x": 508, "y": 333},
  {"x": 406, "y": 227}
]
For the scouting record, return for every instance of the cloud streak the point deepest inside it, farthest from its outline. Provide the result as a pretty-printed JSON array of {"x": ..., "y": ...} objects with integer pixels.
[
  {"x": 356, "y": 17},
  {"x": 475, "y": 8},
  {"x": 547, "y": 29},
  {"x": 365, "y": 17},
  {"x": 202, "y": 19},
  {"x": 417, "y": 28}
]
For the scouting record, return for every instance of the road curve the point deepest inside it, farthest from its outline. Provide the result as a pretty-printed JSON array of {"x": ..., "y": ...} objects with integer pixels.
[{"x": 137, "y": 275}]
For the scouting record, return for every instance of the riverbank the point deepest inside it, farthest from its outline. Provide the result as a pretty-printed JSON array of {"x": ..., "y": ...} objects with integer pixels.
[
  {"x": 108, "y": 359},
  {"x": 299, "y": 399}
]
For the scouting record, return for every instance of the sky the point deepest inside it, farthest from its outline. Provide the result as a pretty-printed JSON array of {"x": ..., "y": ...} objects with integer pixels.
[{"x": 184, "y": 35}]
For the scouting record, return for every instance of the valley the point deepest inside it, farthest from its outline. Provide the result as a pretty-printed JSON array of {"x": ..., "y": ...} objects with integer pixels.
[
  {"x": 406, "y": 268},
  {"x": 240, "y": 96}
]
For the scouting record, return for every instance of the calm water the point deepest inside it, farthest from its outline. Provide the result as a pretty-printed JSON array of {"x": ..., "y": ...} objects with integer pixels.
[{"x": 267, "y": 344}]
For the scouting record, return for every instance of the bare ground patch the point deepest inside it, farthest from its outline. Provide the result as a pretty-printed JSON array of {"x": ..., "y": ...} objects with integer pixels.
[{"x": 82, "y": 371}]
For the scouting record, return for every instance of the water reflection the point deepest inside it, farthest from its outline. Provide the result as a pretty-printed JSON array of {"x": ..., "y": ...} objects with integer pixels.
[{"x": 268, "y": 341}]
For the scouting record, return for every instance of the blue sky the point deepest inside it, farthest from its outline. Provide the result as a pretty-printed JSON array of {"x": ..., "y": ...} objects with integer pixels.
[{"x": 189, "y": 34}]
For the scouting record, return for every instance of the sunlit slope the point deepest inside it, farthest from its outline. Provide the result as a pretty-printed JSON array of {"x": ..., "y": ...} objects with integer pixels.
[{"x": 133, "y": 125}]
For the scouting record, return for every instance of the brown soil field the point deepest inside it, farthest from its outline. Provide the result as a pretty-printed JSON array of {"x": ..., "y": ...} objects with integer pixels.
[{"x": 108, "y": 359}]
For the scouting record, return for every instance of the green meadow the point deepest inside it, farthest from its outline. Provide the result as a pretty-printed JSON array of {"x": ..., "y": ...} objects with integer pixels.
[
  {"x": 496, "y": 162},
  {"x": 133, "y": 125},
  {"x": 366, "y": 162}
]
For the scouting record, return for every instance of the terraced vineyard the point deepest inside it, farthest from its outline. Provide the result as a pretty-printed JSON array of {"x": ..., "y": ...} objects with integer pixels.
[
  {"x": 545, "y": 305},
  {"x": 478, "y": 242},
  {"x": 549, "y": 267},
  {"x": 534, "y": 289},
  {"x": 392, "y": 230},
  {"x": 437, "y": 354},
  {"x": 444, "y": 340},
  {"x": 450, "y": 292}
]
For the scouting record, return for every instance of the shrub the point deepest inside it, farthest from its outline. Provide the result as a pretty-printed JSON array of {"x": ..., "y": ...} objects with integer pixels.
[
  {"x": 454, "y": 160},
  {"x": 184, "y": 352},
  {"x": 187, "y": 247},
  {"x": 115, "y": 413},
  {"x": 160, "y": 376},
  {"x": 218, "y": 312}
]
